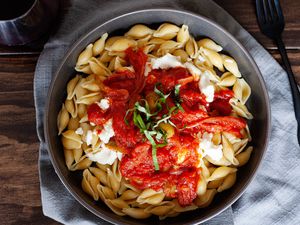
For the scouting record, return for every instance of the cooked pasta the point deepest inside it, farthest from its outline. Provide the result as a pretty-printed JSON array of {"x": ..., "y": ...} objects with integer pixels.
[{"x": 156, "y": 121}]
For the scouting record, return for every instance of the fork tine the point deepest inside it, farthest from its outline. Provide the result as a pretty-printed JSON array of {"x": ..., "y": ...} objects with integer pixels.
[
  {"x": 272, "y": 10},
  {"x": 279, "y": 10},
  {"x": 260, "y": 12},
  {"x": 266, "y": 10}
]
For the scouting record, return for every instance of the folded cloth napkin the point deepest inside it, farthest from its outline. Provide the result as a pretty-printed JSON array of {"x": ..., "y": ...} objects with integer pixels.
[{"x": 274, "y": 195}]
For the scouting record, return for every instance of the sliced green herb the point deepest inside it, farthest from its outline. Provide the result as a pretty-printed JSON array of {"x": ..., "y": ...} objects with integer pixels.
[{"x": 154, "y": 150}]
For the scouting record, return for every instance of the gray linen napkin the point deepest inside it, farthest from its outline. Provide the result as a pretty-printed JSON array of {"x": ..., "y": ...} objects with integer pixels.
[{"x": 274, "y": 195}]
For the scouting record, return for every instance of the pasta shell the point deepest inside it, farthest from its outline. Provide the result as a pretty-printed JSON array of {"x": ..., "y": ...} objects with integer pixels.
[
  {"x": 84, "y": 118},
  {"x": 216, "y": 139},
  {"x": 239, "y": 146},
  {"x": 151, "y": 197},
  {"x": 163, "y": 209},
  {"x": 123, "y": 188},
  {"x": 222, "y": 162},
  {"x": 156, "y": 41},
  {"x": 136, "y": 213},
  {"x": 117, "y": 63},
  {"x": 71, "y": 140},
  {"x": 81, "y": 110},
  {"x": 71, "y": 106},
  {"x": 89, "y": 184},
  {"x": 129, "y": 195},
  {"x": 191, "y": 48},
  {"x": 89, "y": 99},
  {"x": 215, "y": 183},
  {"x": 240, "y": 109},
  {"x": 85, "y": 55},
  {"x": 139, "y": 31},
  {"x": 83, "y": 163},
  {"x": 98, "y": 67},
  {"x": 73, "y": 123},
  {"x": 143, "y": 41},
  {"x": 116, "y": 171},
  {"x": 231, "y": 65},
  {"x": 209, "y": 44},
  {"x": 77, "y": 154},
  {"x": 100, "y": 174},
  {"x": 231, "y": 137},
  {"x": 182, "y": 54},
  {"x": 104, "y": 57},
  {"x": 119, "y": 203},
  {"x": 113, "y": 208},
  {"x": 215, "y": 58},
  {"x": 103, "y": 167},
  {"x": 111, "y": 40},
  {"x": 113, "y": 181},
  {"x": 84, "y": 69},
  {"x": 105, "y": 192},
  {"x": 120, "y": 54},
  {"x": 221, "y": 172},
  {"x": 149, "y": 48},
  {"x": 71, "y": 86},
  {"x": 79, "y": 90},
  {"x": 205, "y": 171},
  {"x": 241, "y": 90},
  {"x": 91, "y": 85},
  {"x": 62, "y": 119},
  {"x": 244, "y": 156},
  {"x": 227, "y": 183},
  {"x": 69, "y": 157},
  {"x": 121, "y": 45},
  {"x": 98, "y": 46},
  {"x": 183, "y": 35},
  {"x": 206, "y": 199},
  {"x": 168, "y": 47},
  {"x": 201, "y": 186},
  {"x": 179, "y": 208},
  {"x": 131, "y": 187},
  {"x": 228, "y": 151},
  {"x": 227, "y": 80},
  {"x": 166, "y": 31}
]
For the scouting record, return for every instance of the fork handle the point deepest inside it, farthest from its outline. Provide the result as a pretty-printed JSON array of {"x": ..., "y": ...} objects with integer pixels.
[{"x": 292, "y": 80}]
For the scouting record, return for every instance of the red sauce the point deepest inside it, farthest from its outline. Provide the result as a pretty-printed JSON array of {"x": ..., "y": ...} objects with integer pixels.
[{"x": 178, "y": 160}]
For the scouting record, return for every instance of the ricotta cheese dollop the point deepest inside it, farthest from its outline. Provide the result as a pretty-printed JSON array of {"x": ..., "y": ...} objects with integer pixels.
[
  {"x": 207, "y": 147},
  {"x": 103, "y": 104},
  {"x": 105, "y": 155},
  {"x": 206, "y": 87},
  {"x": 166, "y": 62},
  {"x": 107, "y": 131}
]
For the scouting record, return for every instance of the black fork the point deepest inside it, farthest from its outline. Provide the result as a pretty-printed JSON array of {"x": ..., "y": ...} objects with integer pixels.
[{"x": 271, "y": 23}]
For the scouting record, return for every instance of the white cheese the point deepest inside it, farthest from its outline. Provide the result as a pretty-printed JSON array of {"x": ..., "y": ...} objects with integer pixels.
[
  {"x": 107, "y": 132},
  {"x": 193, "y": 69},
  {"x": 166, "y": 62},
  {"x": 207, "y": 147},
  {"x": 206, "y": 87},
  {"x": 79, "y": 131},
  {"x": 89, "y": 137},
  {"x": 105, "y": 155},
  {"x": 148, "y": 68},
  {"x": 103, "y": 104}
]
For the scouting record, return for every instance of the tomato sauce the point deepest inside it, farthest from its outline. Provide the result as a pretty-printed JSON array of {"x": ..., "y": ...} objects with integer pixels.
[{"x": 178, "y": 161}]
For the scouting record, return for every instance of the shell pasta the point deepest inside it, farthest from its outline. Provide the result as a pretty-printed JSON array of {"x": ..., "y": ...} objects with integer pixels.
[{"x": 156, "y": 121}]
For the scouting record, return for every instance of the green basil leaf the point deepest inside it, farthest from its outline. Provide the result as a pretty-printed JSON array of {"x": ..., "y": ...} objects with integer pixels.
[{"x": 154, "y": 152}]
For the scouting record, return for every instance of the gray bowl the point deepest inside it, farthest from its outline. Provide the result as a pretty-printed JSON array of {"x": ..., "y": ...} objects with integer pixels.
[{"x": 198, "y": 26}]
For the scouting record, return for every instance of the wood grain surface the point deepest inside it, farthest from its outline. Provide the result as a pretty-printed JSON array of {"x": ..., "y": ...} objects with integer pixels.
[{"x": 19, "y": 181}]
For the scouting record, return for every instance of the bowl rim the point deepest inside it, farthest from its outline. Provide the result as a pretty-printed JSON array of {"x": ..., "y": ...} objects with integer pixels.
[{"x": 236, "y": 195}]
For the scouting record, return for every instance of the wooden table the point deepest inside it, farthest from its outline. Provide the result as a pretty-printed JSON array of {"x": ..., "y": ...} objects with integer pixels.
[{"x": 19, "y": 182}]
